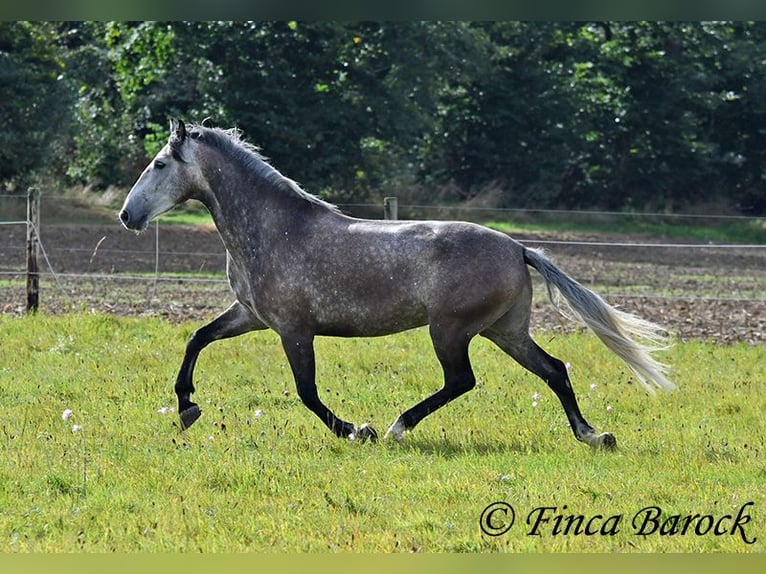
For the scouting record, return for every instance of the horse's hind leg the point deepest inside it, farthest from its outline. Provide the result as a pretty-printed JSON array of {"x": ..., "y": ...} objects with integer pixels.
[
  {"x": 529, "y": 355},
  {"x": 236, "y": 320},
  {"x": 452, "y": 351},
  {"x": 299, "y": 349}
]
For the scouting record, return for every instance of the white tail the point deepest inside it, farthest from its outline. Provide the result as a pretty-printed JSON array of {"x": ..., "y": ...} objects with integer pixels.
[{"x": 615, "y": 328}]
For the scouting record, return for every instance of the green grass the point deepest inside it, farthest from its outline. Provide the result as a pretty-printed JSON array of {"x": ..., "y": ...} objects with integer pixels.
[
  {"x": 259, "y": 472},
  {"x": 188, "y": 214}
]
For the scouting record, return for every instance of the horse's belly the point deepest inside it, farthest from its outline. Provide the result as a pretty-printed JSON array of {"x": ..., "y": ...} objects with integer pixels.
[{"x": 368, "y": 319}]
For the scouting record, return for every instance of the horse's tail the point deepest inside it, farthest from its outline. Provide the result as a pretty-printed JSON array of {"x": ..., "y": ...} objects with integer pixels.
[{"x": 615, "y": 328}]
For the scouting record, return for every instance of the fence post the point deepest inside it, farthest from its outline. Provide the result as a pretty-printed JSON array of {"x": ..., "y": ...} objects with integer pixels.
[
  {"x": 390, "y": 208},
  {"x": 33, "y": 249}
]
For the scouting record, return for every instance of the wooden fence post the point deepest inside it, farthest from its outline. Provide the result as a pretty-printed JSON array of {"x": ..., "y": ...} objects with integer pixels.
[
  {"x": 33, "y": 249},
  {"x": 390, "y": 208}
]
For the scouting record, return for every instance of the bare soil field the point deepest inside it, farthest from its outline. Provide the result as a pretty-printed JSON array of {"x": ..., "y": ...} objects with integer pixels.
[{"x": 702, "y": 292}]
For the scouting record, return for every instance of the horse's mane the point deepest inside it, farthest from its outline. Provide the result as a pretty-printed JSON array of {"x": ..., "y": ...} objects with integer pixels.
[{"x": 230, "y": 143}]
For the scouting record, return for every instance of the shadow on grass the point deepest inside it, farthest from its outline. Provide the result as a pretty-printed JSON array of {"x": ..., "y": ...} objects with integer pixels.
[{"x": 457, "y": 447}]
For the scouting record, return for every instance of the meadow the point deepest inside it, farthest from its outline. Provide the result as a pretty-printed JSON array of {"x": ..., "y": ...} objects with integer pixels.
[{"x": 93, "y": 458}]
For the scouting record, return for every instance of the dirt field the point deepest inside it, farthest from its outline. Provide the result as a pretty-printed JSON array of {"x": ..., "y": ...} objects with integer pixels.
[{"x": 711, "y": 293}]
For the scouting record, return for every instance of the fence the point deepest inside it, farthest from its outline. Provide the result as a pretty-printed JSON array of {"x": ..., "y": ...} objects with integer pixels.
[
  {"x": 32, "y": 223},
  {"x": 172, "y": 270}
]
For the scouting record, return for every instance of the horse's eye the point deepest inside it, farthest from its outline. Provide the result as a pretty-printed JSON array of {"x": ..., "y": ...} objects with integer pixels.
[{"x": 159, "y": 164}]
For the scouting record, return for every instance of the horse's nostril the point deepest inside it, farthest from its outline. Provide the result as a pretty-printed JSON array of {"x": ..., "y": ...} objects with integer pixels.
[{"x": 124, "y": 216}]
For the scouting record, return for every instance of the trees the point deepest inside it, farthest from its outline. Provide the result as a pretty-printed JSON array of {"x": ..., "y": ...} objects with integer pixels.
[
  {"x": 123, "y": 78},
  {"x": 664, "y": 138},
  {"x": 614, "y": 115},
  {"x": 508, "y": 123},
  {"x": 341, "y": 107},
  {"x": 33, "y": 102},
  {"x": 617, "y": 115}
]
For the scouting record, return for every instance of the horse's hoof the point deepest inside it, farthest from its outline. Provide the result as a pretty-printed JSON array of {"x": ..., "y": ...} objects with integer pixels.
[
  {"x": 189, "y": 416},
  {"x": 364, "y": 433},
  {"x": 396, "y": 431},
  {"x": 606, "y": 441},
  {"x": 603, "y": 441}
]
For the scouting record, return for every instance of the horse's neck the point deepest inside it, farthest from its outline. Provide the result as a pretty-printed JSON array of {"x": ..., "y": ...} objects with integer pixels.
[{"x": 248, "y": 211}]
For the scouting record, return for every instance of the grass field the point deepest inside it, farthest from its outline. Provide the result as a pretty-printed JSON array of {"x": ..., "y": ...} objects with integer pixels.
[{"x": 258, "y": 472}]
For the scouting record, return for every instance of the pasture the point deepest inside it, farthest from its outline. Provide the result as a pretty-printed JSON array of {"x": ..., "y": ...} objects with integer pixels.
[{"x": 259, "y": 472}]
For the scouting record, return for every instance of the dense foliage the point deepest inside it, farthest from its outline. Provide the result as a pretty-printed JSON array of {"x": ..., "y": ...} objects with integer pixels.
[{"x": 616, "y": 115}]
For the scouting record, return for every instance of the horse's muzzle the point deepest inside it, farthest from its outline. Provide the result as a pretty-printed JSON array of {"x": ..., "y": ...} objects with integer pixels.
[{"x": 130, "y": 222}]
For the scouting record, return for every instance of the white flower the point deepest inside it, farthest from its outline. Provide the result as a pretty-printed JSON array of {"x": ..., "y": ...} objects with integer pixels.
[
  {"x": 593, "y": 386},
  {"x": 258, "y": 413},
  {"x": 609, "y": 408},
  {"x": 568, "y": 366},
  {"x": 536, "y": 397},
  {"x": 163, "y": 410},
  {"x": 76, "y": 428},
  {"x": 534, "y": 404},
  {"x": 67, "y": 414}
]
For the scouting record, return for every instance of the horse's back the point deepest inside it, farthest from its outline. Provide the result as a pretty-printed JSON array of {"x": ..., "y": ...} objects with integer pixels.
[
  {"x": 454, "y": 269},
  {"x": 438, "y": 238}
]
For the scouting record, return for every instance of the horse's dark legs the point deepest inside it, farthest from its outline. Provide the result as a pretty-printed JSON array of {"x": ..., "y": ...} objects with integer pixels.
[
  {"x": 554, "y": 372},
  {"x": 236, "y": 320},
  {"x": 452, "y": 352},
  {"x": 300, "y": 354}
]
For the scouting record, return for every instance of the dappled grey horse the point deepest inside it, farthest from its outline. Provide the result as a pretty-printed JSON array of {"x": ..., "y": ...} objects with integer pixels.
[{"x": 300, "y": 267}]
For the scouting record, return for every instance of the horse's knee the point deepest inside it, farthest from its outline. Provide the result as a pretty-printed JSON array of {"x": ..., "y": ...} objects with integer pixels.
[{"x": 463, "y": 383}]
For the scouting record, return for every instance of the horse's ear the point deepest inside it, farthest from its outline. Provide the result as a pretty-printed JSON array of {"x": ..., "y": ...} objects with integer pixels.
[{"x": 177, "y": 131}]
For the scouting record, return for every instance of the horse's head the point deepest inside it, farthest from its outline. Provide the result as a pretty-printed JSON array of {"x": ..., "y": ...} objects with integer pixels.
[{"x": 171, "y": 178}]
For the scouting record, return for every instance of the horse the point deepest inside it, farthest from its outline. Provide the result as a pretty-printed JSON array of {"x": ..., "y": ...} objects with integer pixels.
[{"x": 299, "y": 266}]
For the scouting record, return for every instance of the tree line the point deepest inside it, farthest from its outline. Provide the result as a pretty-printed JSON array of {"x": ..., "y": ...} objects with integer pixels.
[{"x": 582, "y": 115}]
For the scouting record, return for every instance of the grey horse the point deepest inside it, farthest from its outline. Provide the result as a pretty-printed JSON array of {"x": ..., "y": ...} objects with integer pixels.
[{"x": 300, "y": 267}]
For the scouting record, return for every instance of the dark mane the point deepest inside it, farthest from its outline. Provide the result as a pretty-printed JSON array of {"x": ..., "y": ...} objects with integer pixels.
[{"x": 230, "y": 143}]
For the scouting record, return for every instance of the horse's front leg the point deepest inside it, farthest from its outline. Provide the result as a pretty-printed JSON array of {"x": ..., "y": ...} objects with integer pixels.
[
  {"x": 299, "y": 349},
  {"x": 236, "y": 320}
]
